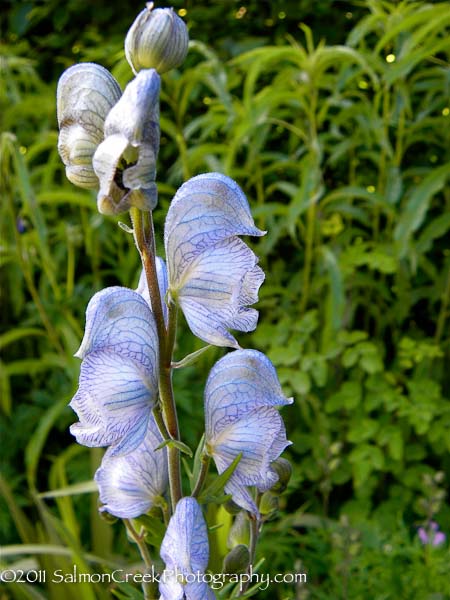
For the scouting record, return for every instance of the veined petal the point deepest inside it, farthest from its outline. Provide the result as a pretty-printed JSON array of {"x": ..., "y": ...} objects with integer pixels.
[
  {"x": 118, "y": 380},
  {"x": 212, "y": 287},
  {"x": 142, "y": 288},
  {"x": 205, "y": 210},
  {"x": 125, "y": 163},
  {"x": 119, "y": 319},
  {"x": 113, "y": 402},
  {"x": 136, "y": 115},
  {"x": 129, "y": 484},
  {"x": 254, "y": 435},
  {"x": 185, "y": 545},
  {"x": 237, "y": 384}
]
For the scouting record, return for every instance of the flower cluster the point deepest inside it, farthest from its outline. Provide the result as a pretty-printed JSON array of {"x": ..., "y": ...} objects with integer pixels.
[{"x": 110, "y": 141}]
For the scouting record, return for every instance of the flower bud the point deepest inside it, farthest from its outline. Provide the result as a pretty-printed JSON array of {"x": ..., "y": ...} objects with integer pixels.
[
  {"x": 232, "y": 508},
  {"x": 158, "y": 39},
  {"x": 237, "y": 560},
  {"x": 239, "y": 532},
  {"x": 283, "y": 469},
  {"x": 269, "y": 504}
]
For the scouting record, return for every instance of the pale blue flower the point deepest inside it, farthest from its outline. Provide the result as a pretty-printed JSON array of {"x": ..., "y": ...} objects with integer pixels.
[
  {"x": 213, "y": 275},
  {"x": 240, "y": 398},
  {"x": 118, "y": 380},
  {"x": 125, "y": 162},
  {"x": 185, "y": 552},
  {"x": 161, "y": 273},
  {"x": 131, "y": 484}
]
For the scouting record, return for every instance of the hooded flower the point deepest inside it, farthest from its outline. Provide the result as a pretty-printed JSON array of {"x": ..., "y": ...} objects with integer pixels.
[
  {"x": 125, "y": 162},
  {"x": 185, "y": 552},
  {"x": 118, "y": 380},
  {"x": 240, "y": 398},
  {"x": 213, "y": 275},
  {"x": 85, "y": 95},
  {"x": 130, "y": 485}
]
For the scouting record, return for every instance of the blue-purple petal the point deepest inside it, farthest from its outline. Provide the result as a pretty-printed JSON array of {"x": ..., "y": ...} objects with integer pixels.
[
  {"x": 185, "y": 544},
  {"x": 118, "y": 379},
  {"x": 213, "y": 275},
  {"x": 238, "y": 383},
  {"x": 130, "y": 484}
]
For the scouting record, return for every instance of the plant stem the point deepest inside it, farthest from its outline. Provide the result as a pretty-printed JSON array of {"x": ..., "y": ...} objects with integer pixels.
[
  {"x": 145, "y": 242},
  {"x": 201, "y": 476},
  {"x": 143, "y": 550},
  {"x": 254, "y": 534},
  {"x": 443, "y": 312}
]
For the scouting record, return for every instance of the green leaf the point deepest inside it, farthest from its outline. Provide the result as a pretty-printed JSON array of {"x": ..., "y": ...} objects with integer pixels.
[
  {"x": 215, "y": 488},
  {"x": 184, "y": 448},
  {"x": 417, "y": 206},
  {"x": 85, "y": 487}
]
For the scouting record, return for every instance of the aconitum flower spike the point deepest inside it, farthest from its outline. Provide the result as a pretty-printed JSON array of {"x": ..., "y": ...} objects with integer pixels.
[
  {"x": 129, "y": 485},
  {"x": 125, "y": 162},
  {"x": 185, "y": 552},
  {"x": 213, "y": 275},
  {"x": 118, "y": 380},
  {"x": 241, "y": 394}
]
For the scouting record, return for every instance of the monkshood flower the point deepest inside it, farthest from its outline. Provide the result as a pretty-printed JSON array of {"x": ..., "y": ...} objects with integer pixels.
[
  {"x": 431, "y": 535},
  {"x": 241, "y": 394},
  {"x": 213, "y": 275},
  {"x": 131, "y": 484},
  {"x": 125, "y": 162},
  {"x": 118, "y": 380},
  {"x": 185, "y": 552},
  {"x": 85, "y": 95}
]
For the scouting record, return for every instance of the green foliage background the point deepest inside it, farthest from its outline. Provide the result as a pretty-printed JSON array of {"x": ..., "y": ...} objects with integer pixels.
[{"x": 334, "y": 119}]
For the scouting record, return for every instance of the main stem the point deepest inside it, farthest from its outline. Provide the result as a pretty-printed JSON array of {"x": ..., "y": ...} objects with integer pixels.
[{"x": 145, "y": 242}]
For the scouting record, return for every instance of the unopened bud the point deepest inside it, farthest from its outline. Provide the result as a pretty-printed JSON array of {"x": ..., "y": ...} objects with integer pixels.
[
  {"x": 237, "y": 560},
  {"x": 239, "y": 531},
  {"x": 283, "y": 469},
  {"x": 231, "y": 507},
  {"x": 158, "y": 39},
  {"x": 268, "y": 504}
]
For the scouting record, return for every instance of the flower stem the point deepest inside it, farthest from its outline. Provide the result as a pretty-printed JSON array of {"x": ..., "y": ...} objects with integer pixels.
[
  {"x": 145, "y": 242},
  {"x": 255, "y": 526},
  {"x": 143, "y": 549}
]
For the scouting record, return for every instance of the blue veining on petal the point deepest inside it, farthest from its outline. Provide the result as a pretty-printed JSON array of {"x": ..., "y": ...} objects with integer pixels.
[
  {"x": 185, "y": 544},
  {"x": 238, "y": 383},
  {"x": 213, "y": 275},
  {"x": 118, "y": 379},
  {"x": 241, "y": 394},
  {"x": 129, "y": 484},
  {"x": 206, "y": 209}
]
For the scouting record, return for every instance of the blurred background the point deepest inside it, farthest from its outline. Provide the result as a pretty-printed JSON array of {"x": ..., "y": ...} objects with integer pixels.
[{"x": 333, "y": 117}]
